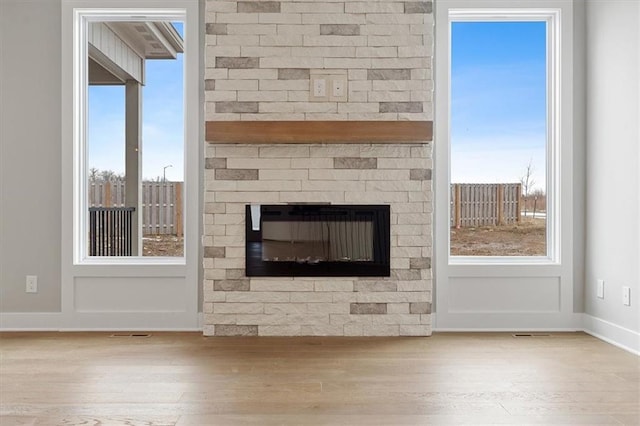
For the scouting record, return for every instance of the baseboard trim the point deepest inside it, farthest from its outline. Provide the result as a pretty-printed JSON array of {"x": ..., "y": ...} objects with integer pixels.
[
  {"x": 493, "y": 322},
  {"x": 54, "y": 321},
  {"x": 508, "y": 330},
  {"x": 609, "y": 332},
  {"x": 614, "y": 334},
  {"x": 32, "y": 321},
  {"x": 606, "y": 331}
]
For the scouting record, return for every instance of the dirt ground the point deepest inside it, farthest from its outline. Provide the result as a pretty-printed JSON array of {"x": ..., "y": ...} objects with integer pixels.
[
  {"x": 524, "y": 239},
  {"x": 162, "y": 245}
]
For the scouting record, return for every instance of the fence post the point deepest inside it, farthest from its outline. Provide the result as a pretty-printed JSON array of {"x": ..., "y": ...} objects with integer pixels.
[
  {"x": 120, "y": 194},
  {"x": 500, "y": 204},
  {"x": 519, "y": 203},
  {"x": 177, "y": 217},
  {"x": 107, "y": 194},
  {"x": 456, "y": 205}
]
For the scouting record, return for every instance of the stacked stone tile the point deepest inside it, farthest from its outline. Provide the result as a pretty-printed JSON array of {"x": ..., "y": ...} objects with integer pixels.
[
  {"x": 259, "y": 55},
  {"x": 259, "y": 58},
  {"x": 237, "y": 175}
]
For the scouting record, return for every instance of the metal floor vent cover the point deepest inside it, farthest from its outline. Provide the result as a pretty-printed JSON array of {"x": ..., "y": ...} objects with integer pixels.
[
  {"x": 531, "y": 335},
  {"x": 130, "y": 335}
]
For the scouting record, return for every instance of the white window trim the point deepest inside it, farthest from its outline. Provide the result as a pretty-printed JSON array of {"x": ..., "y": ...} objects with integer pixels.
[
  {"x": 553, "y": 138},
  {"x": 81, "y": 17},
  {"x": 155, "y": 312},
  {"x": 450, "y": 279}
]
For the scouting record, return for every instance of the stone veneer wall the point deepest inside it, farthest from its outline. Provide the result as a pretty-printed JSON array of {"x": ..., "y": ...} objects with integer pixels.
[
  {"x": 259, "y": 55},
  {"x": 259, "y": 58},
  {"x": 394, "y": 174}
]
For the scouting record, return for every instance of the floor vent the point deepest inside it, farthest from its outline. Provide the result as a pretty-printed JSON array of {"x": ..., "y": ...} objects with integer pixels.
[
  {"x": 531, "y": 335},
  {"x": 131, "y": 335}
]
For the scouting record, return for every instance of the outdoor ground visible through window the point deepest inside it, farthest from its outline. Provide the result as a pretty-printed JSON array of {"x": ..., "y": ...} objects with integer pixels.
[
  {"x": 526, "y": 238},
  {"x": 162, "y": 245}
]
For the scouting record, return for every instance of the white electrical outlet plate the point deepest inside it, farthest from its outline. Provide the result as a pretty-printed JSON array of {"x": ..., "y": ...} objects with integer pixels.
[
  {"x": 338, "y": 88},
  {"x": 626, "y": 296},
  {"x": 32, "y": 284},
  {"x": 600, "y": 289},
  {"x": 318, "y": 89},
  {"x": 328, "y": 85}
]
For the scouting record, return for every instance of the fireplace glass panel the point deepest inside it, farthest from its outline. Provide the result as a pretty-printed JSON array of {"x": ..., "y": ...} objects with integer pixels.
[{"x": 317, "y": 240}]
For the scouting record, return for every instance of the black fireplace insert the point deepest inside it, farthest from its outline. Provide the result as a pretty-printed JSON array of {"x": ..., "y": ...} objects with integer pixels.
[{"x": 317, "y": 240}]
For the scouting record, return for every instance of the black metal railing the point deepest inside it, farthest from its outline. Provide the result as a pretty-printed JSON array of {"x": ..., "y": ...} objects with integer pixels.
[{"x": 110, "y": 231}]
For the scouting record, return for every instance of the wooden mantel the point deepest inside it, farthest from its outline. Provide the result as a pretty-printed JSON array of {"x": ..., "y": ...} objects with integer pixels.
[{"x": 262, "y": 132}]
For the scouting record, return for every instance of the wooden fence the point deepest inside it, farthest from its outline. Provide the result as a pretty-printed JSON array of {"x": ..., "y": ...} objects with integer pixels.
[
  {"x": 161, "y": 204},
  {"x": 480, "y": 204}
]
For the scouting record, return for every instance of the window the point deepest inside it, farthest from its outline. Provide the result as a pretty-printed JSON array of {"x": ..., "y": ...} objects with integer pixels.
[
  {"x": 130, "y": 134},
  {"x": 485, "y": 292},
  {"x": 503, "y": 134}
]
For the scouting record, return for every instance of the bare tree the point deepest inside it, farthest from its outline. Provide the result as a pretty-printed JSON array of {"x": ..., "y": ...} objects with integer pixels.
[
  {"x": 97, "y": 175},
  {"x": 527, "y": 182},
  {"x": 107, "y": 175},
  {"x": 93, "y": 174},
  {"x": 539, "y": 200}
]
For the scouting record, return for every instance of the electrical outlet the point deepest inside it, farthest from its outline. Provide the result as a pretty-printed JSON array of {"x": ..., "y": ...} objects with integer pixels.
[
  {"x": 32, "y": 284},
  {"x": 318, "y": 89},
  {"x": 600, "y": 289},
  {"x": 328, "y": 85},
  {"x": 626, "y": 296}
]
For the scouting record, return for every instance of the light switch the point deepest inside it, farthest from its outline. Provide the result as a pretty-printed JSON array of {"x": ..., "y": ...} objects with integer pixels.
[{"x": 338, "y": 88}]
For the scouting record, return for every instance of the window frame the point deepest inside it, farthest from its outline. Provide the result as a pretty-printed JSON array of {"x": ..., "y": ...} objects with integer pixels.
[
  {"x": 80, "y": 216},
  {"x": 552, "y": 17}
]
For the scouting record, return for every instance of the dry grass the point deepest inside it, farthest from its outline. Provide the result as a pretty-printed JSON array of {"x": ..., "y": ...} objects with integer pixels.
[
  {"x": 163, "y": 245},
  {"x": 527, "y": 238}
]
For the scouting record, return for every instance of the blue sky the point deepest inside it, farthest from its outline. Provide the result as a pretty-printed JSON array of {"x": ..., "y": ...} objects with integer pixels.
[
  {"x": 162, "y": 122},
  {"x": 498, "y": 101}
]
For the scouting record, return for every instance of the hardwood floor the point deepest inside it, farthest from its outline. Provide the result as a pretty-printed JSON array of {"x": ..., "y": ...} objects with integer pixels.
[{"x": 187, "y": 379}]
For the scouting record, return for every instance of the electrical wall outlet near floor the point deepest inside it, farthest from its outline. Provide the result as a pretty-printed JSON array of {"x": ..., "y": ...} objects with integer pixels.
[
  {"x": 32, "y": 284},
  {"x": 600, "y": 289},
  {"x": 626, "y": 296}
]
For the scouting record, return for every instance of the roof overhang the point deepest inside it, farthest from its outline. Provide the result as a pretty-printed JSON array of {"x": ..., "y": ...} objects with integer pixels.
[
  {"x": 151, "y": 40},
  {"x": 117, "y": 50}
]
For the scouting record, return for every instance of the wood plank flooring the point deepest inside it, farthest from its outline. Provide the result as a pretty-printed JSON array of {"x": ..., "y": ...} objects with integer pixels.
[{"x": 187, "y": 379}]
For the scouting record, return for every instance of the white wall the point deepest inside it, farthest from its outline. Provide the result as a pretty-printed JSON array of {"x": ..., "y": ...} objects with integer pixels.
[
  {"x": 613, "y": 134},
  {"x": 31, "y": 149},
  {"x": 30, "y": 141},
  {"x": 579, "y": 152}
]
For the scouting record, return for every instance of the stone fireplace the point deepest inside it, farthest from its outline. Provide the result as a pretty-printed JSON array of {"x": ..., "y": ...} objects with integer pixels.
[
  {"x": 261, "y": 59},
  {"x": 397, "y": 175}
]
